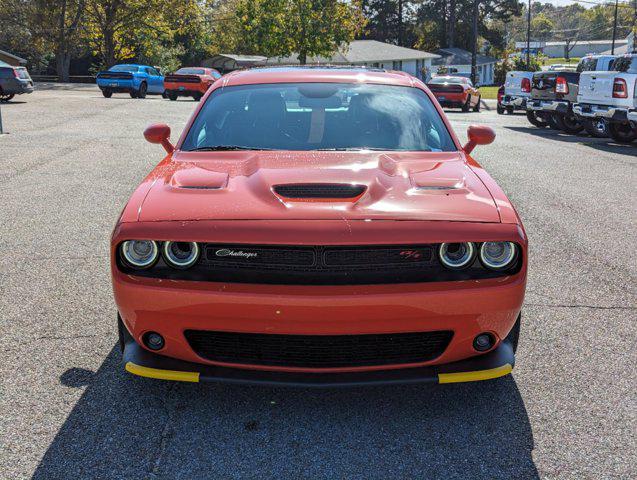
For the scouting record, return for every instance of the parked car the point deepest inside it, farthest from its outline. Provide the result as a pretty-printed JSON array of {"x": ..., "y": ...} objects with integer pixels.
[
  {"x": 136, "y": 80},
  {"x": 14, "y": 81},
  {"x": 517, "y": 90},
  {"x": 190, "y": 82},
  {"x": 455, "y": 92},
  {"x": 553, "y": 94},
  {"x": 319, "y": 226},
  {"x": 610, "y": 98}
]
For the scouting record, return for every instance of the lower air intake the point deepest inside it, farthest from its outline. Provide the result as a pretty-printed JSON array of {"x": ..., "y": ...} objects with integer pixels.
[{"x": 318, "y": 351}]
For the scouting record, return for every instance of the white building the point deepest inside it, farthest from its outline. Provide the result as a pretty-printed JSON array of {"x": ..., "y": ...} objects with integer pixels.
[
  {"x": 577, "y": 49},
  {"x": 456, "y": 61},
  {"x": 372, "y": 53}
]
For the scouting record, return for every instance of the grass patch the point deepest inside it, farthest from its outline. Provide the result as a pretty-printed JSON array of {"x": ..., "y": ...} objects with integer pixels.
[
  {"x": 489, "y": 93},
  {"x": 554, "y": 61}
]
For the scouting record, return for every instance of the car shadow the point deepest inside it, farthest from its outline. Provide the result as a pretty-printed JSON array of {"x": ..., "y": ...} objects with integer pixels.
[
  {"x": 603, "y": 144},
  {"x": 130, "y": 427},
  {"x": 11, "y": 102}
]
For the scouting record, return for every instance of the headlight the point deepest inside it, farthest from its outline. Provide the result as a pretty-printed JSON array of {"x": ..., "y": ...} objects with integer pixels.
[
  {"x": 181, "y": 254},
  {"x": 139, "y": 253},
  {"x": 457, "y": 255},
  {"x": 498, "y": 255}
]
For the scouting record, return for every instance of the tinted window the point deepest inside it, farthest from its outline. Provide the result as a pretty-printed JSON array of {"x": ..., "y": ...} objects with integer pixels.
[
  {"x": 191, "y": 71},
  {"x": 152, "y": 71},
  {"x": 124, "y": 68},
  {"x": 626, "y": 64},
  {"x": 587, "y": 65},
  {"x": 310, "y": 116},
  {"x": 6, "y": 72}
]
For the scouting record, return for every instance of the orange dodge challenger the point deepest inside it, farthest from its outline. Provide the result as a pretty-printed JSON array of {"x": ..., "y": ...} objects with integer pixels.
[
  {"x": 456, "y": 92},
  {"x": 319, "y": 227},
  {"x": 190, "y": 82}
]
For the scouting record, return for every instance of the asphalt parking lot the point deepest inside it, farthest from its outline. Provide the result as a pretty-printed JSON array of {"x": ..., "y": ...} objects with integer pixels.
[{"x": 69, "y": 410}]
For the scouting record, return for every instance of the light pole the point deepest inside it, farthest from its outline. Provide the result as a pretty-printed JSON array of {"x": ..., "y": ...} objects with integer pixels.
[{"x": 528, "y": 38}]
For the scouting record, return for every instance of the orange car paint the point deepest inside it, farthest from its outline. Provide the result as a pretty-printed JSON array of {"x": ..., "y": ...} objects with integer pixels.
[{"x": 246, "y": 211}]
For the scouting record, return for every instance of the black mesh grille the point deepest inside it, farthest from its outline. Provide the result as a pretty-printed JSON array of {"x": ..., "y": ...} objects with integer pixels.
[
  {"x": 319, "y": 190},
  {"x": 318, "y": 351}
]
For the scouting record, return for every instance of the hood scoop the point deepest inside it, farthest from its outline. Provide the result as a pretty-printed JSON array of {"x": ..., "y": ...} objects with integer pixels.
[
  {"x": 198, "y": 179},
  {"x": 320, "y": 191}
]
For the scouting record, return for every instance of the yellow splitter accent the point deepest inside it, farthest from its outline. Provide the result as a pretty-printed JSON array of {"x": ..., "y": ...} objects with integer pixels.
[
  {"x": 459, "y": 377},
  {"x": 475, "y": 376},
  {"x": 162, "y": 374}
]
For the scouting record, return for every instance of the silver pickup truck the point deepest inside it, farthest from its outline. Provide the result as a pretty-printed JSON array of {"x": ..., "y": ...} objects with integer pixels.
[
  {"x": 517, "y": 90},
  {"x": 611, "y": 98}
]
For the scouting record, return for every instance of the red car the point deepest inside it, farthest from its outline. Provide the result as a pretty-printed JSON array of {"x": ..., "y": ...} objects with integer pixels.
[
  {"x": 319, "y": 227},
  {"x": 190, "y": 82},
  {"x": 455, "y": 92}
]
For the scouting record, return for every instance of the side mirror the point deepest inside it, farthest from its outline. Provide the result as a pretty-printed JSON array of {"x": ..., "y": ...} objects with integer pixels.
[
  {"x": 478, "y": 135},
  {"x": 159, "y": 133}
]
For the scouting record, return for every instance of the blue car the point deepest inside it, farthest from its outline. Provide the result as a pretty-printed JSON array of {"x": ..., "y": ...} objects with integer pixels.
[{"x": 136, "y": 80}]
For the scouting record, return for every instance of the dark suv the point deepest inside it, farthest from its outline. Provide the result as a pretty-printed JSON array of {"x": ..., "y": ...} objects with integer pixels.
[{"x": 14, "y": 81}]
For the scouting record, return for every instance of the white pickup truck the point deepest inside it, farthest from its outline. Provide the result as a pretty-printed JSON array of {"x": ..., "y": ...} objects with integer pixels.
[
  {"x": 517, "y": 90},
  {"x": 611, "y": 97}
]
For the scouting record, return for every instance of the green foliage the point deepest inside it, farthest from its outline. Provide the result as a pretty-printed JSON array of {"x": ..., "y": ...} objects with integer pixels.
[
  {"x": 278, "y": 28},
  {"x": 517, "y": 63}
]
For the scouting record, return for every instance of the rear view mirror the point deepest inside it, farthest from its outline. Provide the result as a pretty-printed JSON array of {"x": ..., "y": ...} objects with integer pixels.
[
  {"x": 478, "y": 135},
  {"x": 159, "y": 133}
]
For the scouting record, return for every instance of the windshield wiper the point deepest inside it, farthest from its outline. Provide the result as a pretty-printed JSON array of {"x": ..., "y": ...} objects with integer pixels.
[
  {"x": 222, "y": 148},
  {"x": 350, "y": 149}
]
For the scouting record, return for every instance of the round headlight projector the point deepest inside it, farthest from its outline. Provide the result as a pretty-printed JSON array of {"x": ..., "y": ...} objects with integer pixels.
[
  {"x": 497, "y": 255},
  {"x": 181, "y": 254},
  {"x": 457, "y": 255},
  {"x": 140, "y": 253}
]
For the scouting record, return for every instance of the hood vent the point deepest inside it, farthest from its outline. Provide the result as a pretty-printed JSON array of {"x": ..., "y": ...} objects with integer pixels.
[{"x": 319, "y": 190}]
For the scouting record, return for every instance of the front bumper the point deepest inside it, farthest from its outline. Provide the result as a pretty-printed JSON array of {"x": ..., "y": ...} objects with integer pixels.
[
  {"x": 117, "y": 86},
  {"x": 514, "y": 101},
  {"x": 551, "y": 106},
  {"x": 610, "y": 113},
  {"x": 497, "y": 363}
]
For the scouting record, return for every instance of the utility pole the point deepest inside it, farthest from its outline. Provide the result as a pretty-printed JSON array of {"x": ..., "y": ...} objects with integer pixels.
[
  {"x": 612, "y": 50},
  {"x": 528, "y": 38},
  {"x": 474, "y": 53}
]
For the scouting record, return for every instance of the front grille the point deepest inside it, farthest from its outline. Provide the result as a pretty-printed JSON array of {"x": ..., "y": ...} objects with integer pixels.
[
  {"x": 319, "y": 190},
  {"x": 318, "y": 351},
  {"x": 319, "y": 265}
]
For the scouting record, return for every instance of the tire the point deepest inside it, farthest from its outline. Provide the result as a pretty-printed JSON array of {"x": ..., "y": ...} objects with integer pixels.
[
  {"x": 172, "y": 96},
  {"x": 5, "y": 97},
  {"x": 569, "y": 123},
  {"x": 477, "y": 107},
  {"x": 467, "y": 105},
  {"x": 107, "y": 92},
  {"x": 536, "y": 120},
  {"x": 622, "y": 132},
  {"x": 133, "y": 94},
  {"x": 499, "y": 109},
  {"x": 197, "y": 97},
  {"x": 514, "y": 334},
  {"x": 510, "y": 110},
  {"x": 143, "y": 88},
  {"x": 596, "y": 128},
  {"x": 552, "y": 121}
]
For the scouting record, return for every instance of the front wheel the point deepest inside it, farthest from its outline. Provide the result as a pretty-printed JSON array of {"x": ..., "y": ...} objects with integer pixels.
[
  {"x": 597, "y": 128},
  {"x": 510, "y": 110},
  {"x": 551, "y": 118},
  {"x": 536, "y": 119},
  {"x": 477, "y": 107},
  {"x": 569, "y": 123},
  {"x": 499, "y": 109},
  {"x": 107, "y": 92},
  {"x": 622, "y": 132},
  {"x": 172, "y": 96}
]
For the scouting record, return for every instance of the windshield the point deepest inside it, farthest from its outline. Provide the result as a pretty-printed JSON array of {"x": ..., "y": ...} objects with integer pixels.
[
  {"x": 319, "y": 116},
  {"x": 191, "y": 71},
  {"x": 454, "y": 80},
  {"x": 123, "y": 68}
]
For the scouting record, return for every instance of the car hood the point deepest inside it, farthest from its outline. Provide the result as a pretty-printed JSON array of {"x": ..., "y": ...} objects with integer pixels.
[{"x": 243, "y": 185}]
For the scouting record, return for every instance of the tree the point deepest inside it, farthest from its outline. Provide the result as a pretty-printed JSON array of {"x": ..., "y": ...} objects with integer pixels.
[
  {"x": 277, "y": 28},
  {"x": 542, "y": 27}
]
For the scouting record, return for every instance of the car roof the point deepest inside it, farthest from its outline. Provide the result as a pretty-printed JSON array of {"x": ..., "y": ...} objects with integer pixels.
[{"x": 319, "y": 74}]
